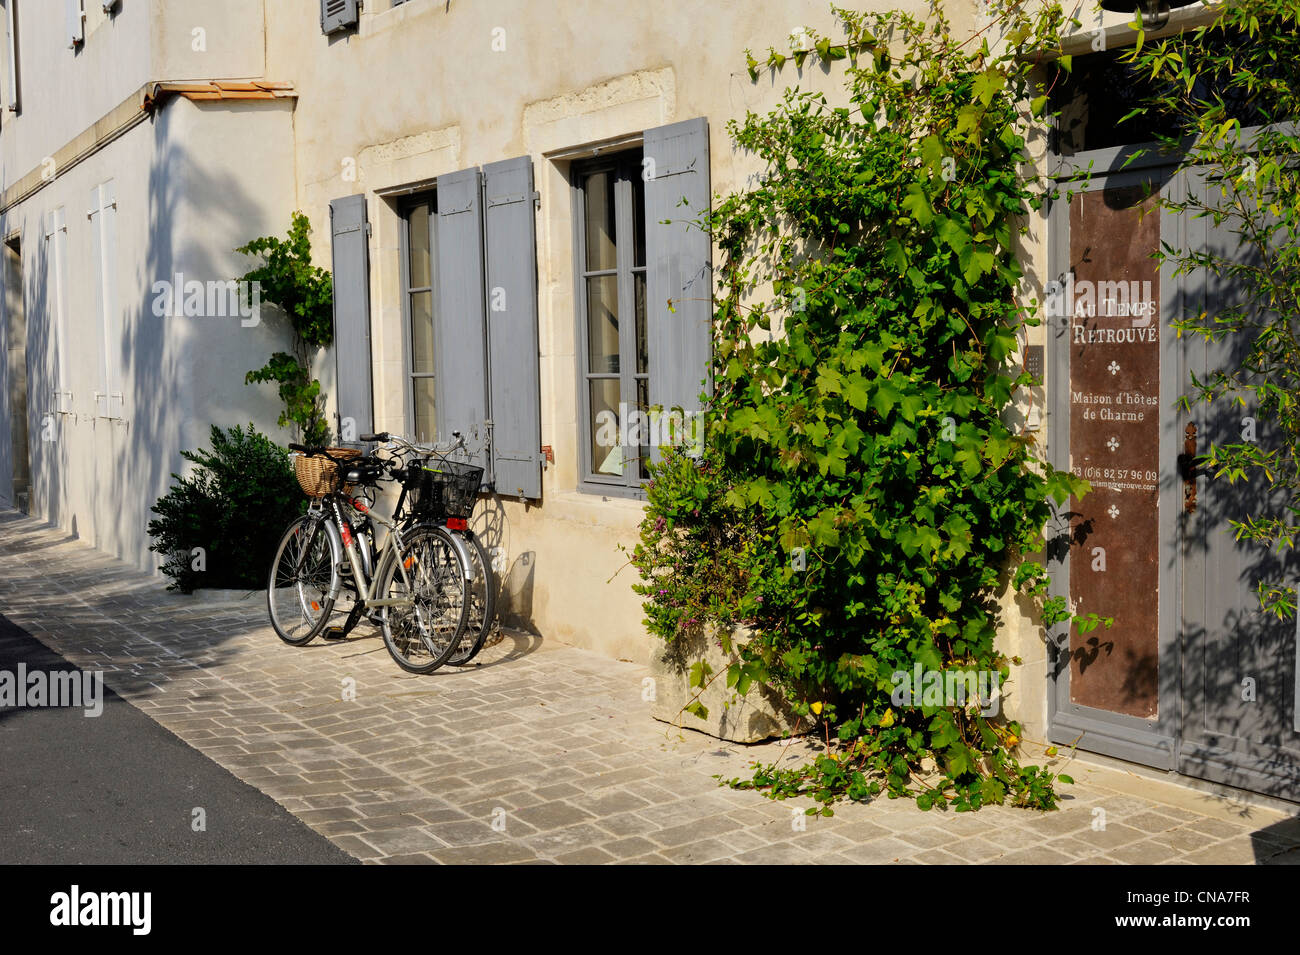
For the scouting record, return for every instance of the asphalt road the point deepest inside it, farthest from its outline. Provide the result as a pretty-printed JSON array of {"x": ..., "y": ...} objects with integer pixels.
[{"x": 118, "y": 788}]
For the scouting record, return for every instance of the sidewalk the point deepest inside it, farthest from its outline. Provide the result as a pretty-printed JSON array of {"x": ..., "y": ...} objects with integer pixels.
[{"x": 543, "y": 753}]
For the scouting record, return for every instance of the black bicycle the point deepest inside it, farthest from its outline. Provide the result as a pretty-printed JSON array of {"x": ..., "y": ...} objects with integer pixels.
[{"x": 440, "y": 492}]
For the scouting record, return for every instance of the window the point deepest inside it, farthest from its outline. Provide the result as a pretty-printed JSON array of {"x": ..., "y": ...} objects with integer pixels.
[
  {"x": 419, "y": 309},
  {"x": 614, "y": 379},
  {"x": 1101, "y": 89},
  {"x": 466, "y": 239}
]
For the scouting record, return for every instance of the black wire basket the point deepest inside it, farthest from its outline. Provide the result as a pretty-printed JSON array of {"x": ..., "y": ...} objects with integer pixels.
[{"x": 438, "y": 489}]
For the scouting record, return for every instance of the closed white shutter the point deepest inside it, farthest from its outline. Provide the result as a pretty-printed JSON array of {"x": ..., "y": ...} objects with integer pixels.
[
  {"x": 109, "y": 400},
  {"x": 76, "y": 23},
  {"x": 11, "y": 29},
  {"x": 56, "y": 251}
]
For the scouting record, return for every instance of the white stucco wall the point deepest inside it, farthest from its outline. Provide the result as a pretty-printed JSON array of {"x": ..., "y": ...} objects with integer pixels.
[
  {"x": 419, "y": 91},
  {"x": 184, "y": 201}
]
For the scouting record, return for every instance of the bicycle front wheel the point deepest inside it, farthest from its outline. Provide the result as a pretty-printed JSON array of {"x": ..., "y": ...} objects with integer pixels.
[
  {"x": 302, "y": 579},
  {"x": 433, "y": 584}
]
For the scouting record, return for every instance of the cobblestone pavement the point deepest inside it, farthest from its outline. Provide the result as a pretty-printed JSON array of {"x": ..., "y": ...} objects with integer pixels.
[{"x": 545, "y": 752}]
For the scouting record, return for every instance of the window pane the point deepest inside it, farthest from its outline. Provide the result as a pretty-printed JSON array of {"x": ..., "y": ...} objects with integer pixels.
[
  {"x": 425, "y": 425},
  {"x": 602, "y": 325},
  {"x": 642, "y": 347},
  {"x": 418, "y": 231},
  {"x": 606, "y": 455},
  {"x": 638, "y": 216},
  {"x": 421, "y": 332},
  {"x": 601, "y": 236}
]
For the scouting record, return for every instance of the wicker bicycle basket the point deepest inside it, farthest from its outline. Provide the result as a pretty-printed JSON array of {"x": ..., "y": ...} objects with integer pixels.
[{"x": 318, "y": 475}]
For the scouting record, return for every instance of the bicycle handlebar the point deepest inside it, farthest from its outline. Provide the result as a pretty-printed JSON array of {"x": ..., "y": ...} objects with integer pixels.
[{"x": 391, "y": 440}]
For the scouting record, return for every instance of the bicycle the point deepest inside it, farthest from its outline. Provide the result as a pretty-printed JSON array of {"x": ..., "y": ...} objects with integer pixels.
[
  {"x": 418, "y": 581},
  {"x": 444, "y": 495}
]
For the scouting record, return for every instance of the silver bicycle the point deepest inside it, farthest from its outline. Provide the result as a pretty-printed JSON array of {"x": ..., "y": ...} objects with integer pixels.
[{"x": 417, "y": 585}]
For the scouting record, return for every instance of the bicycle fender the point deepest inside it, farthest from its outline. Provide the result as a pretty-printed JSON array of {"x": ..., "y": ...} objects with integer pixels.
[
  {"x": 462, "y": 551},
  {"x": 337, "y": 556}
]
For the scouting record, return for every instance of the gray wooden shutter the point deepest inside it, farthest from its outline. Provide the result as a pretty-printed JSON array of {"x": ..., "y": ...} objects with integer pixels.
[
  {"x": 350, "y": 232},
  {"x": 460, "y": 359},
  {"x": 336, "y": 15},
  {"x": 75, "y": 24},
  {"x": 512, "y": 327},
  {"x": 678, "y": 259}
]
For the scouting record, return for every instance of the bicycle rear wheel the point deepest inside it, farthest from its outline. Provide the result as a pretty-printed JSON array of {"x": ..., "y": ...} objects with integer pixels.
[
  {"x": 429, "y": 571},
  {"x": 303, "y": 575},
  {"x": 482, "y": 604}
]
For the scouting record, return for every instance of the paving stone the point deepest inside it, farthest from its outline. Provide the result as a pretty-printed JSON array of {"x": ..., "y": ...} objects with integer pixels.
[
  {"x": 879, "y": 851},
  {"x": 1146, "y": 852},
  {"x": 589, "y": 856},
  {"x": 630, "y": 846},
  {"x": 552, "y": 815},
  {"x": 491, "y": 853},
  {"x": 559, "y": 841},
  {"x": 1184, "y": 839},
  {"x": 399, "y": 841},
  {"x": 1038, "y": 855},
  {"x": 695, "y": 829}
]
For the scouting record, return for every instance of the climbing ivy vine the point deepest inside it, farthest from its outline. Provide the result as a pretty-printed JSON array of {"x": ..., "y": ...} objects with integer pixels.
[
  {"x": 305, "y": 293},
  {"x": 865, "y": 501}
]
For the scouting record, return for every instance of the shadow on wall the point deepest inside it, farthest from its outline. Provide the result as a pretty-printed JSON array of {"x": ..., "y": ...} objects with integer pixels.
[
  {"x": 45, "y": 427},
  {"x": 159, "y": 356},
  {"x": 514, "y": 578}
]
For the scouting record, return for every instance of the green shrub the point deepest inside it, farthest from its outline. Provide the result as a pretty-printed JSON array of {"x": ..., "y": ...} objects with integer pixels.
[{"x": 219, "y": 527}]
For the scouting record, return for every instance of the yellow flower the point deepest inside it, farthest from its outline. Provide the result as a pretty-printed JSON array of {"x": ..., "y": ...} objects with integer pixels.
[{"x": 816, "y": 708}]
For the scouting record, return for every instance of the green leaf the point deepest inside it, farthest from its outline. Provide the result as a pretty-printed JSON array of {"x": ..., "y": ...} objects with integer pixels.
[
  {"x": 988, "y": 84},
  {"x": 697, "y": 709}
]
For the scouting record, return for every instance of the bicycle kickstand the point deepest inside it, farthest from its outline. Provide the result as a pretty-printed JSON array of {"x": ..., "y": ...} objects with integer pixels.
[{"x": 340, "y": 633}]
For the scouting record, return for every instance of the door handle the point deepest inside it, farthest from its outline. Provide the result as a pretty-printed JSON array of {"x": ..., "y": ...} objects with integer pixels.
[{"x": 1187, "y": 468}]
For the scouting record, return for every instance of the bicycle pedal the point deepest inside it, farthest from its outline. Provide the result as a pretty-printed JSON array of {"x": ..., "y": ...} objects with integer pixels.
[{"x": 334, "y": 633}]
